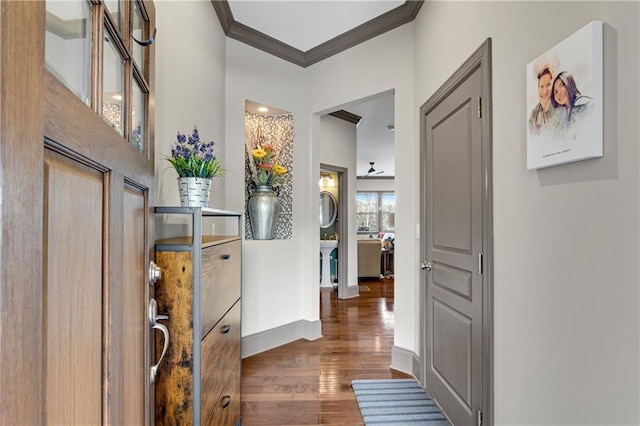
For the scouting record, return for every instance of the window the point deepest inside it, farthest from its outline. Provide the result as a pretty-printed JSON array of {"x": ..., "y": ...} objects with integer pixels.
[
  {"x": 375, "y": 212},
  {"x": 99, "y": 50},
  {"x": 68, "y": 45}
]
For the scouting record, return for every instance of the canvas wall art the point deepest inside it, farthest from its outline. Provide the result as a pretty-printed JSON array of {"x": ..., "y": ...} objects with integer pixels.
[{"x": 564, "y": 101}]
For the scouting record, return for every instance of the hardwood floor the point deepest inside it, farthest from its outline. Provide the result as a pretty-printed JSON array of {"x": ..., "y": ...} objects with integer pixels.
[{"x": 304, "y": 383}]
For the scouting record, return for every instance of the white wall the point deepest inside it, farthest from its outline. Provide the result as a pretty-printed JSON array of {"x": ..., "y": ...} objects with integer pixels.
[
  {"x": 190, "y": 87},
  {"x": 566, "y": 238},
  {"x": 337, "y": 147},
  {"x": 378, "y": 65},
  {"x": 289, "y": 292},
  {"x": 277, "y": 275},
  {"x": 376, "y": 185}
]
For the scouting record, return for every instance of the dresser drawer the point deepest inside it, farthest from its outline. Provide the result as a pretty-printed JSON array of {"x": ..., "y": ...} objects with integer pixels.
[
  {"x": 220, "y": 352},
  {"x": 226, "y": 411},
  {"x": 221, "y": 270}
]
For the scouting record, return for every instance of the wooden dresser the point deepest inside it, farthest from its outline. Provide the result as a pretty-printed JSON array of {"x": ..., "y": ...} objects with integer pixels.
[{"x": 198, "y": 381}]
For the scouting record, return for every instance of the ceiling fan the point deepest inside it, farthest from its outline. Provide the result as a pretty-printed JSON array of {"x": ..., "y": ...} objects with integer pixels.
[{"x": 372, "y": 171}]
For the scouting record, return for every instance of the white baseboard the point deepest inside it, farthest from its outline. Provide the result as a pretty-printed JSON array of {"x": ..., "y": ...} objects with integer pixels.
[
  {"x": 269, "y": 339},
  {"x": 352, "y": 291},
  {"x": 405, "y": 361}
]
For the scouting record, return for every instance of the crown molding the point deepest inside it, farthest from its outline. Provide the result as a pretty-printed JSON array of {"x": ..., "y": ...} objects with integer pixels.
[
  {"x": 392, "y": 19},
  {"x": 346, "y": 116},
  {"x": 223, "y": 10}
]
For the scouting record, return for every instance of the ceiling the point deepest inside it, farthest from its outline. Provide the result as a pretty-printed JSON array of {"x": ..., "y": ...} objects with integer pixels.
[
  {"x": 307, "y": 24},
  {"x": 375, "y": 141},
  {"x": 305, "y": 32}
]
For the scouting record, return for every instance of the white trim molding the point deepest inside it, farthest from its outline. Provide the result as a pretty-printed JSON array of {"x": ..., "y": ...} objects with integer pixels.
[
  {"x": 269, "y": 339},
  {"x": 405, "y": 361},
  {"x": 352, "y": 291}
]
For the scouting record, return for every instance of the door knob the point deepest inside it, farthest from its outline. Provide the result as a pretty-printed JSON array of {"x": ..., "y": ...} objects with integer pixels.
[
  {"x": 426, "y": 265},
  {"x": 155, "y": 273}
]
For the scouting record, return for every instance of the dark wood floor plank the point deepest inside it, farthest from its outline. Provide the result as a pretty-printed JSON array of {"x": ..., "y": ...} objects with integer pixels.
[{"x": 309, "y": 383}]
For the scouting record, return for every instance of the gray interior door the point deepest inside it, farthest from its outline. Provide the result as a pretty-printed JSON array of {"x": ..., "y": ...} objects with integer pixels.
[{"x": 453, "y": 182}]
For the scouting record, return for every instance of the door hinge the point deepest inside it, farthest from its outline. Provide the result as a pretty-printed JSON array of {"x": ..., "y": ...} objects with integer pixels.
[
  {"x": 479, "y": 107},
  {"x": 479, "y": 418},
  {"x": 480, "y": 262}
]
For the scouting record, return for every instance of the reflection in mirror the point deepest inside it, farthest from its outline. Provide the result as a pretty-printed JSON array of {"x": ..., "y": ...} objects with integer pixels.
[
  {"x": 328, "y": 209},
  {"x": 68, "y": 45}
]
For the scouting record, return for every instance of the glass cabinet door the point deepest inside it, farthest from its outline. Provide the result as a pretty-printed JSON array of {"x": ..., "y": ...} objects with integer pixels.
[
  {"x": 68, "y": 45},
  {"x": 112, "y": 84},
  {"x": 116, "y": 9},
  {"x": 138, "y": 115},
  {"x": 138, "y": 32},
  {"x": 100, "y": 51}
]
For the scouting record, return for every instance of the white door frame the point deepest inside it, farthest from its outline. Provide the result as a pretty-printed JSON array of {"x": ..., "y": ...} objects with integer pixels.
[{"x": 343, "y": 241}]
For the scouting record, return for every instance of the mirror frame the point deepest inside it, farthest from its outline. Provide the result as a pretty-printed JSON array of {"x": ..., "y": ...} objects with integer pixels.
[{"x": 330, "y": 222}]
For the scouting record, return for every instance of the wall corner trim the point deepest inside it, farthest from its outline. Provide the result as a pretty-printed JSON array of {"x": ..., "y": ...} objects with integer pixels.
[
  {"x": 394, "y": 18},
  {"x": 405, "y": 361},
  {"x": 352, "y": 291},
  {"x": 278, "y": 336}
]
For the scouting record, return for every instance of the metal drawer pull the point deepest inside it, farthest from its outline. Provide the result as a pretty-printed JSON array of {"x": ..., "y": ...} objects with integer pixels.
[
  {"x": 154, "y": 367},
  {"x": 225, "y": 329},
  {"x": 225, "y": 256},
  {"x": 226, "y": 401}
]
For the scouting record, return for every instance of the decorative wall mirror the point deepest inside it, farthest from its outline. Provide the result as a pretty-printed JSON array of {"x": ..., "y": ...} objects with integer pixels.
[{"x": 328, "y": 209}]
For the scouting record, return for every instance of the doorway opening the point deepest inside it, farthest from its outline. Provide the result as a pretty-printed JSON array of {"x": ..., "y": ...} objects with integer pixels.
[
  {"x": 334, "y": 228},
  {"x": 364, "y": 134}
]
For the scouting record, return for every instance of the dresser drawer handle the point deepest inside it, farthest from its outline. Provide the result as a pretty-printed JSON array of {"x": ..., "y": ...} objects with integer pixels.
[
  {"x": 225, "y": 256},
  {"x": 225, "y": 329},
  {"x": 226, "y": 400}
]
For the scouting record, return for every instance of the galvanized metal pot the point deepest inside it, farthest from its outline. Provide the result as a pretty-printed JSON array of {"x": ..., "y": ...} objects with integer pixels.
[
  {"x": 194, "y": 191},
  {"x": 264, "y": 208}
]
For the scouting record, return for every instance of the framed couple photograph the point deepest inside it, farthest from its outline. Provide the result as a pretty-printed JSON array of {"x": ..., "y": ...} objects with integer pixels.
[{"x": 564, "y": 100}]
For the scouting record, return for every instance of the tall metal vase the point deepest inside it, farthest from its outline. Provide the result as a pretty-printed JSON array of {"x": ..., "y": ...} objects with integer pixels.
[{"x": 264, "y": 208}]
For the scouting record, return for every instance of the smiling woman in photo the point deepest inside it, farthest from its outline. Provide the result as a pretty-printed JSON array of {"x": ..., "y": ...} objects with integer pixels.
[{"x": 566, "y": 97}]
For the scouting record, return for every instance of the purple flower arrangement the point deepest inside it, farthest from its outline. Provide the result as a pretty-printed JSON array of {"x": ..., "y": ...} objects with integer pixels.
[{"x": 193, "y": 158}]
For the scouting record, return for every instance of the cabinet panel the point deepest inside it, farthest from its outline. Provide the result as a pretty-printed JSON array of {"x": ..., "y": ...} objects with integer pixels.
[
  {"x": 200, "y": 291},
  {"x": 174, "y": 294},
  {"x": 73, "y": 292},
  {"x": 220, "y": 352},
  {"x": 220, "y": 282},
  {"x": 227, "y": 409}
]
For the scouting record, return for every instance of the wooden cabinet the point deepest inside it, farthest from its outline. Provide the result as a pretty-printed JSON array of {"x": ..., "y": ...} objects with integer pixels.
[{"x": 199, "y": 378}]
